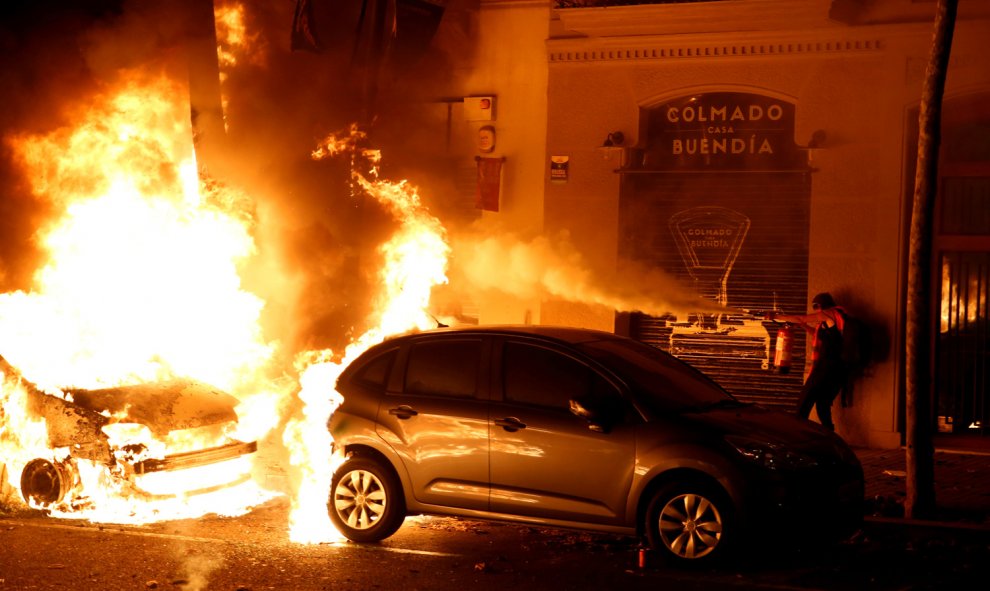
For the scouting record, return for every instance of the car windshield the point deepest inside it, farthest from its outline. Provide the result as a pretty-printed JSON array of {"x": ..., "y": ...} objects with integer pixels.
[{"x": 665, "y": 383}]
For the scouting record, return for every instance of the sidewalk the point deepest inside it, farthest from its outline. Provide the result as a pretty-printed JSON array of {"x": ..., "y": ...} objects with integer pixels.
[{"x": 962, "y": 487}]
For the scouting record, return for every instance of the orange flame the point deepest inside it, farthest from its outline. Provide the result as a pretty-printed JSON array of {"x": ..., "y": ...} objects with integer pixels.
[
  {"x": 235, "y": 44},
  {"x": 415, "y": 261},
  {"x": 232, "y": 35},
  {"x": 141, "y": 284},
  {"x": 140, "y": 260}
]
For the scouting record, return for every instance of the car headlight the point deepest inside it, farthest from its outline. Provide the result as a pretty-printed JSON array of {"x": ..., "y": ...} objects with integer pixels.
[{"x": 770, "y": 455}]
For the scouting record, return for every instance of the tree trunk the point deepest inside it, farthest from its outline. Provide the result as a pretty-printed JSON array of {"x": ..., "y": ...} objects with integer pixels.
[{"x": 920, "y": 501}]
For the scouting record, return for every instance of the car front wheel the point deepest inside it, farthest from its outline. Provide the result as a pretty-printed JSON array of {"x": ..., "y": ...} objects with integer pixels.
[
  {"x": 689, "y": 523},
  {"x": 365, "y": 501}
]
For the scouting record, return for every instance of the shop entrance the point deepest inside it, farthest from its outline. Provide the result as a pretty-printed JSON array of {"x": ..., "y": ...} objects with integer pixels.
[
  {"x": 719, "y": 197},
  {"x": 960, "y": 269}
]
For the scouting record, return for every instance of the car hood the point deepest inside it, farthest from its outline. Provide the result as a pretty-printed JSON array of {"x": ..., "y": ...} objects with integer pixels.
[
  {"x": 162, "y": 407},
  {"x": 765, "y": 424}
]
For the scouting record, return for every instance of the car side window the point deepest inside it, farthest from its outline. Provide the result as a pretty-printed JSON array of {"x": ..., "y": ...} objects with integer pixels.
[
  {"x": 444, "y": 368},
  {"x": 543, "y": 377},
  {"x": 375, "y": 373}
]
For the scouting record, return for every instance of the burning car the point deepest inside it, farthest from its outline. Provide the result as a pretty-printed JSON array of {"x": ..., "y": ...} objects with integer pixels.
[{"x": 146, "y": 441}]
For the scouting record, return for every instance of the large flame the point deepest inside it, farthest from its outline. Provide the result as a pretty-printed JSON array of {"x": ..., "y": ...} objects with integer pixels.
[
  {"x": 236, "y": 45},
  {"x": 415, "y": 260},
  {"x": 140, "y": 283},
  {"x": 142, "y": 278}
]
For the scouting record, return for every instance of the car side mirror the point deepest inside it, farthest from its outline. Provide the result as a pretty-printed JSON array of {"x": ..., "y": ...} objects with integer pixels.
[{"x": 595, "y": 421}]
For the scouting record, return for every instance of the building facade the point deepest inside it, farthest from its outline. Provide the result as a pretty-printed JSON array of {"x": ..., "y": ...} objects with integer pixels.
[{"x": 760, "y": 151}]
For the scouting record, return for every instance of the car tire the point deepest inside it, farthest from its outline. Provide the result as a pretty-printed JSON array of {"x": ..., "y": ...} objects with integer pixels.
[
  {"x": 689, "y": 523},
  {"x": 365, "y": 501}
]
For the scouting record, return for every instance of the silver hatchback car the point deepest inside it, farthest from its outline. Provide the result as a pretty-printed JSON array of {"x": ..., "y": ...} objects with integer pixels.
[{"x": 576, "y": 428}]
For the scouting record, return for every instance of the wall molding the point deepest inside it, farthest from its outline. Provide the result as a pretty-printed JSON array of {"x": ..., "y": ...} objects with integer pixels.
[
  {"x": 687, "y": 17},
  {"x": 589, "y": 51}
]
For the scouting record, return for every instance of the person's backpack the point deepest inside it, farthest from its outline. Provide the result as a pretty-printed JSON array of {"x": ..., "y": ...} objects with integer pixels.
[{"x": 857, "y": 344}]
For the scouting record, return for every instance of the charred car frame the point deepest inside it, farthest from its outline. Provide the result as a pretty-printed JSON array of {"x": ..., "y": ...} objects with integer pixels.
[{"x": 80, "y": 425}]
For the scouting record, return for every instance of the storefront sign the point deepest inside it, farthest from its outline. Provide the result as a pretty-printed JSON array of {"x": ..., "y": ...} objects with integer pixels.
[{"x": 723, "y": 131}]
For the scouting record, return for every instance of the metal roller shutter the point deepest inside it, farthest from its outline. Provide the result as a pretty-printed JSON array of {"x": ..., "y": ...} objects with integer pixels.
[{"x": 740, "y": 238}]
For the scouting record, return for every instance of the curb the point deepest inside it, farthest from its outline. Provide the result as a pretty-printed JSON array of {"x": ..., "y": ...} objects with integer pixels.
[{"x": 928, "y": 524}]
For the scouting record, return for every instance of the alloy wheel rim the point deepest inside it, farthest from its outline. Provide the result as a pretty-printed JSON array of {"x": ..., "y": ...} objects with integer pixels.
[
  {"x": 359, "y": 499},
  {"x": 690, "y": 526}
]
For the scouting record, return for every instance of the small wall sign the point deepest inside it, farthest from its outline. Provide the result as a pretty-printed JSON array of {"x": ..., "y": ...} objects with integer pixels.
[{"x": 559, "y": 166}]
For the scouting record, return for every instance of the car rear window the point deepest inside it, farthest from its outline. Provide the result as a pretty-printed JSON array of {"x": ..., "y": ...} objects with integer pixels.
[{"x": 444, "y": 368}]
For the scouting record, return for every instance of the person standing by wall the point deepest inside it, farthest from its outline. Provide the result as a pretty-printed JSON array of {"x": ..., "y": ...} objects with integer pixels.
[{"x": 828, "y": 370}]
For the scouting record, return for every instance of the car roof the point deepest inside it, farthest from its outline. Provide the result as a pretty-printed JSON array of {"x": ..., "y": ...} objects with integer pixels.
[
  {"x": 567, "y": 334},
  {"x": 560, "y": 334}
]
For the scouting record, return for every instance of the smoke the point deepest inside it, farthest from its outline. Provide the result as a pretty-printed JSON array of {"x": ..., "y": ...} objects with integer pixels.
[
  {"x": 316, "y": 238},
  {"x": 311, "y": 231},
  {"x": 543, "y": 268},
  {"x": 325, "y": 238},
  {"x": 40, "y": 66},
  {"x": 196, "y": 570},
  {"x": 58, "y": 54},
  {"x": 316, "y": 234}
]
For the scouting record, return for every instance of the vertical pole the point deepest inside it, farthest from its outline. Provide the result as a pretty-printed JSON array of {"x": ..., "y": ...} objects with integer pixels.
[
  {"x": 919, "y": 460},
  {"x": 205, "y": 103}
]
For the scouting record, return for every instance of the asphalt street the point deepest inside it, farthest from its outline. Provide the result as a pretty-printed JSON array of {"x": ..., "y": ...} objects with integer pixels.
[{"x": 252, "y": 553}]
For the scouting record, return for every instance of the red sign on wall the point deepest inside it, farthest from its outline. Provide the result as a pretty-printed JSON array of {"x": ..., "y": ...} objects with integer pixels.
[{"x": 489, "y": 182}]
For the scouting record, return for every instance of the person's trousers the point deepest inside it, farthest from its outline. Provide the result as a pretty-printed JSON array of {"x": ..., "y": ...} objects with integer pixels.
[{"x": 820, "y": 389}]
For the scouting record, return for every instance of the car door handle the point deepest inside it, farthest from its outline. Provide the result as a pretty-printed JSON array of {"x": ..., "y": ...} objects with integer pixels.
[
  {"x": 510, "y": 424},
  {"x": 403, "y": 412}
]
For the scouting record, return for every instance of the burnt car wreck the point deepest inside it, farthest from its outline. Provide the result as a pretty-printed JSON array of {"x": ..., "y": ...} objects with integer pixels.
[{"x": 129, "y": 432}]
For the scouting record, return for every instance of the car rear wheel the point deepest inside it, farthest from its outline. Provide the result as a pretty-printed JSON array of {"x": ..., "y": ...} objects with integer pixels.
[
  {"x": 365, "y": 500},
  {"x": 689, "y": 523},
  {"x": 46, "y": 483}
]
